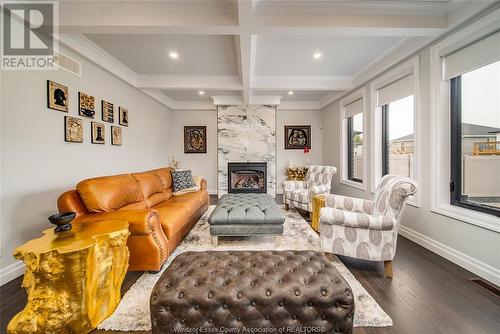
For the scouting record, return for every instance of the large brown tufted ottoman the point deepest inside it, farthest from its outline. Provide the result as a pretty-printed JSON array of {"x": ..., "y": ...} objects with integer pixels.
[{"x": 285, "y": 291}]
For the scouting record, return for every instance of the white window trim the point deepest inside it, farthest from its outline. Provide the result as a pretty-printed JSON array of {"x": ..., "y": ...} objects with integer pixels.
[
  {"x": 356, "y": 95},
  {"x": 410, "y": 67},
  {"x": 440, "y": 125}
]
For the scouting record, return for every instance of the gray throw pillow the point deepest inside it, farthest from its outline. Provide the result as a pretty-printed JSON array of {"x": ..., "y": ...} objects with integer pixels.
[{"x": 182, "y": 179}]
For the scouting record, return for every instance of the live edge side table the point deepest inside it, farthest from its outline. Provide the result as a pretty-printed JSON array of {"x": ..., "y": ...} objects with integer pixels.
[{"x": 73, "y": 278}]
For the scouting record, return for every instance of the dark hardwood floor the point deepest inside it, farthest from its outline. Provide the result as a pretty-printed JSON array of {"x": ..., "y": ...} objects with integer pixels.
[{"x": 428, "y": 294}]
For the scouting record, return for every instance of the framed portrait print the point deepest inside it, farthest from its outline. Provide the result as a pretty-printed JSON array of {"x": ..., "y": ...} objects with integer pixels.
[
  {"x": 57, "y": 96},
  {"x": 73, "y": 129},
  {"x": 297, "y": 137},
  {"x": 195, "y": 139},
  {"x": 97, "y": 133},
  {"x": 107, "y": 111},
  {"x": 86, "y": 105},
  {"x": 116, "y": 136},
  {"x": 122, "y": 116}
]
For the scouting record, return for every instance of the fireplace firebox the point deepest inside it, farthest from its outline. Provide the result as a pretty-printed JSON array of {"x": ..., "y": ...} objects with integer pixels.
[{"x": 247, "y": 177}]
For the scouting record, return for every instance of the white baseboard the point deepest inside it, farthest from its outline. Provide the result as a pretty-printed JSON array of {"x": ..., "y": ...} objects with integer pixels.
[
  {"x": 479, "y": 268},
  {"x": 11, "y": 272}
]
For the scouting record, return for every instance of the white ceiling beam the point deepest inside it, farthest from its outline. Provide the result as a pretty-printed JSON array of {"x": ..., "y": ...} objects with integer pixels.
[
  {"x": 195, "y": 82},
  {"x": 265, "y": 99},
  {"x": 160, "y": 97},
  {"x": 299, "y": 105},
  {"x": 338, "y": 82},
  {"x": 227, "y": 100},
  {"x": 246, "y": 47},
  {"x": 355, "y": 25}
]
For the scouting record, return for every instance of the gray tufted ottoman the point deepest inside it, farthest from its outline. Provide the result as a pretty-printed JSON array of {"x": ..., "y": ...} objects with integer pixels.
[
  {"x": 246, "y": 215},
  {"x": 277, "y": 291}
]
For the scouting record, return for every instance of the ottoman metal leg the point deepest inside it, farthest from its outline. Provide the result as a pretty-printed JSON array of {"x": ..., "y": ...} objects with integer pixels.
[{"x": 215, "y": 241}]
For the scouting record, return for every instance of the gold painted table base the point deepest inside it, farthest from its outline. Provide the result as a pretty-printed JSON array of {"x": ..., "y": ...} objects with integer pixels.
[
  {"x": 73, "y": 279},
  {"x": 317, "y": 204}
]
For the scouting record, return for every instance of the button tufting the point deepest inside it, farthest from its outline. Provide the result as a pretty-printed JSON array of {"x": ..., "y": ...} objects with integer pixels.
[
  {"x": 169, "y": 285},
  {"x": 309, "y": 304},
  {"x": 181, "y": 295},
  {"x": 252, "y": 303},
  {"x": 297, "y": 292},
  {"x": 238, "y": 318},
  {"x": 268, "y": 293},
  {"x": 210, "y": 320},
  {"x": 239, "y": 295},
  {"x": 323, "y": 292},
  {"x": 196, "y": 306},
  {"x": 348, "y": 293},
  {"x": 210, "y": 295},
  {"x": 337, "y": 304},
  {"x": 224, "y": 307},
  {"x": 281, "y": 304},
  {"x": 323, "y": 316},
  {"x": 267, "y": 317},
  {"x": 294, "y": 317}
]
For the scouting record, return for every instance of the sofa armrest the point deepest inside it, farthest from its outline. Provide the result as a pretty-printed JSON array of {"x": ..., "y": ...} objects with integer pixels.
[
  {"x": 141, "y": 222},
  {"x": 294, "y": 185},
  {"x": 349, "y": 203},
  {"x": 332, "y": 216},
  {"x": 203, "y": 184},
  {"x": 319, "y": 190}
]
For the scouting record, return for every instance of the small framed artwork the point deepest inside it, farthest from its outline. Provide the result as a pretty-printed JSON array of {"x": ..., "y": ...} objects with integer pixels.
[
  {"x": 86, "y": 105},
  {"x": 297, "y": 137},
  {"x": 57, "y": 96},
  {"x": 97, "y": 133},
  {"x": 195, "y": 139},
  {"x": 73, "y": 129},
  {"x": 123, "y": 116},
  {"x": 116, "y": 136},
  {"x": 107, "y": 112}
]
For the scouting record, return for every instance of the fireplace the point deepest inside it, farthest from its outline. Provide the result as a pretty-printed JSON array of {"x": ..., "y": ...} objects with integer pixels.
[{"x": 247, "y": 177}]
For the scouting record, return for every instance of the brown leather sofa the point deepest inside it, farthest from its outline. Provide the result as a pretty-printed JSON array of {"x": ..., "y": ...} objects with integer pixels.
[{"x": 157, "y": 220}]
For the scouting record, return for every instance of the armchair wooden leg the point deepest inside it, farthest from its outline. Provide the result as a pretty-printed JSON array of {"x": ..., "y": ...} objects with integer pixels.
[
  {"x": 287, "y": 207},
  {"x": 311, "y": 216},
  {"x": 388, "y": 269}
]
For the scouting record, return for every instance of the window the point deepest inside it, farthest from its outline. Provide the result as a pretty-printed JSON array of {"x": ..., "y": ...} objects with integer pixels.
[
  {"x": 398, "y": 127},
  {"x": 353, "y": 168},
  {"x": 355, "y": 148},
  {"x": 475, "y": 139}
]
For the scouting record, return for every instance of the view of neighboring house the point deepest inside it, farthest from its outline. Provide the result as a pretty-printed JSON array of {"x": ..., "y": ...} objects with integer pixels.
[{"x": 479, "y": 135}]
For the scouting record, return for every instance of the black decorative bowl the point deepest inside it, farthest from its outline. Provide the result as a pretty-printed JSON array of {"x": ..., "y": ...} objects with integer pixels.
[{"x": 62, "y": 221}]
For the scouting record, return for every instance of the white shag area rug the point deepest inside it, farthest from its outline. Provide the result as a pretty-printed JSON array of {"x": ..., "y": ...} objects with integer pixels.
[{"x": 132, "y": 314}]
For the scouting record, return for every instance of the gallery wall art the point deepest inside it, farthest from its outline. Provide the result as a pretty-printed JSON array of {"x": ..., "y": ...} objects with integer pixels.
[
  {"x": 116, "y": 136},
  {"x": 97, "y": 133},
  {"x": 86, "y": 105},
  {"x": 195, "y": 139},
  {"x": 57, "y": 96},
  {"x": 73, "y": 129},
  {"x": 297, "y": 137},
  {"x": 107, "y": 111},
  {"x": 123, "y": 116}
]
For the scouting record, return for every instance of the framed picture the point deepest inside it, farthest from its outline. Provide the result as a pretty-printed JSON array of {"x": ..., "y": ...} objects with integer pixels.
[
  {"x": 73, "y": 129},
  {"x": 123, "y": 116},
  {"x": 97, "y": 133},
  {"x": 116, "y": 136},
  {"x": 86, "y": 105},
  {"x": 195, "y": 139},
  {"x": 107, "y": 112},
  {"x": 297, "y": 137},
  {"x": 57, "y": 96}
]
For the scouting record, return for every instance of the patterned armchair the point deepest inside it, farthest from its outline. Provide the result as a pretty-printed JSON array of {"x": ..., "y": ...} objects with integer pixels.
[
  {"x": 299, "y": 194},
  {"x": 366, "y": 229}
]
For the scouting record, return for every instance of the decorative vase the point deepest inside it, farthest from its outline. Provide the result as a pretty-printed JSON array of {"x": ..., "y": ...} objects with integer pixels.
[{"x": 62, "y": 221}]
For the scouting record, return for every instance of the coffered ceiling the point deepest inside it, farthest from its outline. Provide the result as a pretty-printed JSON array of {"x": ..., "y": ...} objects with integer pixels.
[{"x": 300, "y": 54}]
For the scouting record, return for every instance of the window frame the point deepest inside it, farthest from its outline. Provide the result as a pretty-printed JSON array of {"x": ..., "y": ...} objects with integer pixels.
[
  {"x": 440, "y": 125},
  {"x": 456, "y": 152},
  {"x": 344, "y": 148},
  {"x": 385, "y": 138},
  {"x": 411, "y": 67},
  {"x": 350, "y": 132}
]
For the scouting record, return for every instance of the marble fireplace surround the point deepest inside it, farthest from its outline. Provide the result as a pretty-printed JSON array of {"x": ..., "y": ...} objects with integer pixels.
[{"x": 246, "y": 133}]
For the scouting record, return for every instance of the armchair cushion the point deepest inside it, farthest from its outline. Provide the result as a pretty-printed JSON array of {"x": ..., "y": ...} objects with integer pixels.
[
  {"x": 294, "y": 185},
  {"x": 300, "y": 196},
  {"x": 355, "y": 219},
  {"x": 321, "y": 189},
  {"x": 349, "y": 204}
]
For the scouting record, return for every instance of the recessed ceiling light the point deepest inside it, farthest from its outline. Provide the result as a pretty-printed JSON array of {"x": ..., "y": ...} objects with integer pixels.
[
  {"x": 173, "y": 55},
  {"x": 290, "y": 92},
  {"x": 317, "y": 55},
  {"x": 201, "y": 92}
]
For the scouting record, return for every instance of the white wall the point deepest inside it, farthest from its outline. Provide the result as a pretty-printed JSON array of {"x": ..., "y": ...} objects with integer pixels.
[
  {"x": 38, "y": 165},
  {"x": 470, "y": 246},
  {"x": 204, "y": 164},
  {"x": 298, "y": 158}
]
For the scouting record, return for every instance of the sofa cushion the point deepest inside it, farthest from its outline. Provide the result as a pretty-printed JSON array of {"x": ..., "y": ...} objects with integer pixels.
[
  {"x": 182, "y": 179},
  {"x": 190, "y": 202},
  {"x": 165, "y": 175},
  {"x": 151, "y": 187},
  {"x": 109, "y": 193}
]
